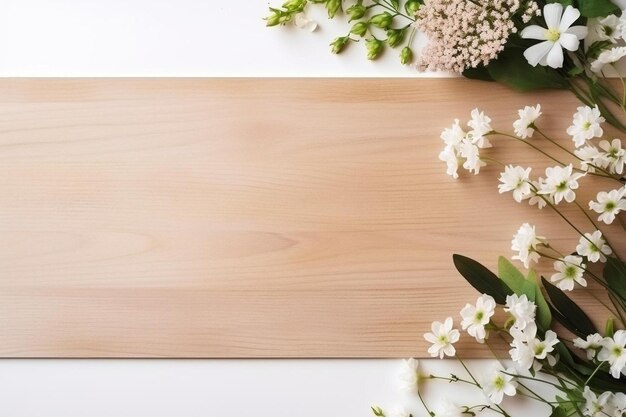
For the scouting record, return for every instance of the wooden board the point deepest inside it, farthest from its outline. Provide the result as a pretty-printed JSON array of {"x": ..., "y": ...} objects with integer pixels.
[{"x": 245, "y": 217}]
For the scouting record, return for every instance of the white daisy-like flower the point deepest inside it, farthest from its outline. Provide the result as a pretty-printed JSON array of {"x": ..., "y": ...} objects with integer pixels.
[
  {"x": 591, "y": 158},
  {"x": 593, "y": 246},
  {"x": 591, "y": 344},
  {"x": 594, "y": 405},
  {"x": 443, "y": 337},
  {"x": 303, "y": 22},
  {"x": 525, "y": 243},
  {"x": 471, "y": 153},
  {"x": 618, "y": 402},
  {"x": 522, "y": 354},
  {"x": 586, "y": 125},
  {"x": 476, "y": 317},
  {"x": 614, "y": 154},
  {"x": 399, "y": 412},
  {"x": 449, "y": 408},
  {"x": 497, "y": 384},
  {"x": 409, "y": 376},
  {"x": 522, "y": 310},
  {"x": 609, "y": 204},
  {"x": 559, "y": 34},
  {"x": 524, "y": 126},
  {"x": 451, "y": 158},
  {"x": 608, "y": 57},
  {"x": 560, "y": 183},
  {"x": 541, "y": 348},
  {"x": 535, "y": 198},
  {"x": 527, "y": 346},
  {"x": 452, "y": 136},
  {"x": 516, "y": 179},
  {"x": 480, "y": 125},
  {"x": 607, "y": 28},
  {"x": 614, "y": 352},
  {"x": 570, "y": 269}
]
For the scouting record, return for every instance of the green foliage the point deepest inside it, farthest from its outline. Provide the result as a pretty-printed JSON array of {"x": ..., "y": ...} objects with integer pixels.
[
  {"x": 339, "y": 44},
  {"x": 567, "y": 312},
  {"x": 596, "y": 8},
  {"x": 356, "y": 11},
  {"x": 374, "y": 47},
  {"x": 359, "y": 29},
  {"x": 382, "y": 20},
  {"x": 332, "y": 7},
  {"x": 406, "y": 55},
  {"x": 615, "y": 276},
  {"x": 482, "y": 278},
  {"x": 395, "y": 37}
]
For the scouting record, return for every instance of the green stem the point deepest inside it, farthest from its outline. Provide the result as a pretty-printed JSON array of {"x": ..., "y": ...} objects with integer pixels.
[{"x": 594, "y": 372}]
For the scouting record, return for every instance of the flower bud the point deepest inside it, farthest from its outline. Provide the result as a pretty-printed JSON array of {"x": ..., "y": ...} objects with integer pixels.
[
  {"x": 356, "y": 11},
  {"x": 333, "y": 6},
  {"x": 382, "y": 20},
  {"x": 359, "y": 29},
  {"x": 338, "y": 44},
  {"x": 395, "y": 37},
  {"x": 411, "y": 7},
  {"x": 406, "y": 56},
  {"x": 294, "y": 5},
  {"x": 374, "y": 47},
  {"x": 275, "y": 18}
]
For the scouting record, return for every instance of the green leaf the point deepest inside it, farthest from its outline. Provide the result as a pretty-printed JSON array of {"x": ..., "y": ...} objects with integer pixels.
[
  {"x": 596, "y": 8},
  {"x": 544, "y": 316},
  {"x": 558, "y": 412},
  {"x": 571, "y": 316},
  {"x": 478, "y": 73},
  {"x": 511, "y": 276},
  {"x": 512, "y": 69},
  {"x": 482, "y": 278},
  {"x": 609, "y": 328},
  {"x": 615, "y": 276},
  {"x": 395, "y": 4}
]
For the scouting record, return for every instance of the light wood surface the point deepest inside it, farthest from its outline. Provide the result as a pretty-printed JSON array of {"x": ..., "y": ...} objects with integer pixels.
[{"x": 246, "y": 218}]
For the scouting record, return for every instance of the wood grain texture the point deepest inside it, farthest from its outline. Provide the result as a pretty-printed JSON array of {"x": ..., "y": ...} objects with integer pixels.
[{"x": 246, "y": 218}]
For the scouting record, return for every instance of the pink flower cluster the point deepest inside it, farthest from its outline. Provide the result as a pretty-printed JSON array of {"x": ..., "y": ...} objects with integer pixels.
[{"x": 465, "y": 34}]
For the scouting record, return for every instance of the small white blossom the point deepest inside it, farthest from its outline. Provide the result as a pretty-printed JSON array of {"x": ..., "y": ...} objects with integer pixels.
[
  {"x": 592, "y": 344},
  {"x": 586, "y": 125},
  {"x": 570, "y": 269},
  {"x": 451, "y": 158},
  {"x": 535, "y": 197},
  {"x": 522, "y": 354},
  {"x": 476, "y": 317},
  {"x": 525, "y": 242},
  {"x": 594, "y": 405},
  {"x": 591, "y": 158},
  {"x": 471, "y": 153},
  {"x": 618, "y": 402},
  {"x": 608, "y": 57},
  {"x": 607, "y": 28},
  {"x": 609, "y": 205},
  {"x": 558, "y": 35},
  {"x": 498, "y": 384},
  {"x": 614, "y": 155},
  {"x": 443, "y": 337},
  {"x": 541, "y": 348},
  {"x": 399, "y": 412},
  {"x": 527, "y": 347},
  {"x": 593, "y": 246},
  {"x": 449, "y": 408},
  {"x": 480, "y": 125},
  {"x": 516, "y": 179},
  {"x": 409, "y": 376},
  {"x": 560, "y": 183},
  {"x": 614, "y": 352},
  {"x": 524, "y": 126},
  {"x": 522, "y": 310}
]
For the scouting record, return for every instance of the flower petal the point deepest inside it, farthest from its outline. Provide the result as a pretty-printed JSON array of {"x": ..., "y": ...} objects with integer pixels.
[
  {"x": 555, "y": 56},
  {"x": 535, "y": 53},
  {"x": 552, "y": 13},
  {"x": 580, "y": 31},
  {"x": 569, "y": 41},
  {"x": 569, "y": 17},
  {"x": 534, "y": 32}
]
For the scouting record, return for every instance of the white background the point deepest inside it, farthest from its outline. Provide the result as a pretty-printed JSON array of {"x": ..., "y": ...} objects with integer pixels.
[{"x": 211, "y": 38}]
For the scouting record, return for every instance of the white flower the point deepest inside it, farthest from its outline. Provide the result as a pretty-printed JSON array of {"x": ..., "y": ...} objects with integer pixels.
[
  {"x": 515, "y": 179},
  {"x": 399, "y": 412},
  {"x": 443, "y": 337},
  {"x": 524, "y": 126},
  {"x": 522, "y": 310},
  {"x": 541, "y": 348},
  {"x": 607, "y": 57},
  {"x": 480, "y": 124},
  {"x": 593, "y": 246},
  {"x": 585, "y": 125},
  {"x": 591, "y": 158},
  {"x": 609, "y": 204},
  {"x": 471, "y": 153},
  {"x": 522, "y": 354},
  {"x": 614, "y": 352},
  {"x": 594, "y": 405},
  {"x": 618, "y": 401},
  {"x": 450, "y": 409},
  {"x": 560, "y": 183},
  {"x": 558, "y": 35},
  {"x": 535, "y": 197},
  {"x": 303, "y": 22},
  {"x": 475, "y": 318},
  {"x": 607, "y": 28},
  {"x": 409, "y": 376},
  {"x": 614, "y": 154},
  {"x": 570, "y": 269},
  {"x": 591, "y": 344},
  {"x": 498, "y": 384},
  {"x": 451, "y": 158},
  {"x": 453, "y": 136},
  {"x": 525, "y": 243},
  {"x": 527, "y": 347}
]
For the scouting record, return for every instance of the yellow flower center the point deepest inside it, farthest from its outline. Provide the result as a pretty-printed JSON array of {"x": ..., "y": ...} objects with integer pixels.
[{"x": 553, "y": 35}]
